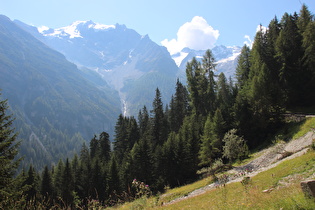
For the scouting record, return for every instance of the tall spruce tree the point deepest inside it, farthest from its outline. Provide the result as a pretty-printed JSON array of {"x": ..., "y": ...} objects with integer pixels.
[
  {"x": 159, "y": 129},
  {"x": 142, "y": 161},
  {"x": 8, "y": 152},
  {"x": 121, "y": 136},
  {"x": 179, "y": 107},
  {"x": 305, "y": 17},
  {"x": 114, "y": 185},
  {"x": 31, "y": 184},
  {"x": 306, "y": 25},
  {"x": 207, "y": 150},
  {"x": 105, "y": 149},
  {"x": 208, "y": 64},
  {"x": 46, "y": 187},
  {"x": 57, "y": 178},
  {"x": 194, "y": 75},
  {"x": 289, "y": 54},
  {"x": 67, "y": 184},
  {"x": 144, "y": 121},
  {"x": 243, "y": 67}
]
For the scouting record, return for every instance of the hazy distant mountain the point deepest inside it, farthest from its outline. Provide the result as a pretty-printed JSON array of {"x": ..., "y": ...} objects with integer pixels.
[
  {"x": 53, "y": 101},
  {"x": 132, "y": 64},
  {"x": 226, "y": 58}
]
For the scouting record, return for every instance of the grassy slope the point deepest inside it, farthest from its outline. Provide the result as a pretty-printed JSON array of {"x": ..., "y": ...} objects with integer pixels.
[{"x": 284, "y": 180}]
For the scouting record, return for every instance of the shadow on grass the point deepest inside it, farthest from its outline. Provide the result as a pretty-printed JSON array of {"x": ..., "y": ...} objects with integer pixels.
[{"x": 289, "y": 130}]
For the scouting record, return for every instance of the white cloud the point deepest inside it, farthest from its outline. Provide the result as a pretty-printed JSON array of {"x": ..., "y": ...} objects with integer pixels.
[
  {"x": 262, "y": 28},
  {"x": 197, "y": 35},
  {"x": 248, "y": 41}
]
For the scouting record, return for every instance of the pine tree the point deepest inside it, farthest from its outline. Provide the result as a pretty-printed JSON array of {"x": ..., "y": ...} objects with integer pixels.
[
  {"x": 121, "y": 136},
  {"x": 133, "y": 133},
  {"x": 142, "y": 161},
  {"x": 143, "y": 121},
  {"x": 104, "y": 143},
  {"x": 114, "y": 186},
  {"x": 289, "y": 54},
  {"x": 270, "y": 59},
  {"x": 208, "y": 64},
  {"x": 207, "y": 151},
  {"x": 243, "y": 67},
  {"x": 179, "y": 107},
  {"x": 194, "y": 75},
  {"x": 67, "y": 184},
  {"x": 189, "y": 135},
  {"x": 213, "y": 135},
  {"x": 224, "y": 96},
  {"x": 32, "y": 184},
  {"x": 201, "y": 84},
  {"x": 98, "y": 188},
  {"x": 159, "y": 129},
  {"x": 46, "y": 187},
  {"x": 305, "y": 17},
  {"x": 8, "y": 152},
  {"x": 57, "y": 178},
  {"x": 308, "y": 45},
  {"x": 94, "y": 147},
  {"x": 168, "y": 162},
  {"x": 84, "y": 177},
  {"x": 126, "y": 172}
]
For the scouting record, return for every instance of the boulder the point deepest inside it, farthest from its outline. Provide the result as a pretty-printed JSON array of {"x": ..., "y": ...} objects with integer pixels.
[{"x": 308, "y": 187}]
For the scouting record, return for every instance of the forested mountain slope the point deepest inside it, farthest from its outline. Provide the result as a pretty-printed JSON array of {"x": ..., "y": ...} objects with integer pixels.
[{"x": 53, "y": 102}]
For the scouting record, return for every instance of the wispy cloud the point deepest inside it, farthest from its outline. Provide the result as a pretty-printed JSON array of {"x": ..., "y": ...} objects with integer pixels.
[{"x": 197, "y": 35}]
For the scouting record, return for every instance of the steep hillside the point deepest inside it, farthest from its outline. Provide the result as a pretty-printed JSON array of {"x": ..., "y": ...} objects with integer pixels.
[
  {"x": 53, "y": 101},
  {"x": 270, "y": 179}
]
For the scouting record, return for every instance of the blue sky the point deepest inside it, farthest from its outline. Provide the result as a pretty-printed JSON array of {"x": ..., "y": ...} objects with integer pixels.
[{"x": 177, "y": 23}]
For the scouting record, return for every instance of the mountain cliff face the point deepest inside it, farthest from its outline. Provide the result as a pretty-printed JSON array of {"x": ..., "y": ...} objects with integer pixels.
[
  {"x": 130, "y": 63},
  {"x": 55, "y": 103}
]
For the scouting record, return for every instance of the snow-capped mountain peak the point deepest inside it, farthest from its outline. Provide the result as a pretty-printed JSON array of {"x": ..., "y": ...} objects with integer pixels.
[
  {"x": 102, "y": 27},
  {"x": 234, "y": 53},
  {"x": 74, "y": 30}
]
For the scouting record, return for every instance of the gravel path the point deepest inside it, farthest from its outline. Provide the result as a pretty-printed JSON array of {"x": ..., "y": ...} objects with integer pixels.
[{"x": 268, "y": 158}]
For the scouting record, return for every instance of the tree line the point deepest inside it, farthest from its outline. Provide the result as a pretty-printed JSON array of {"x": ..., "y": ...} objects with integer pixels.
[{"x": 211, "y": 118}]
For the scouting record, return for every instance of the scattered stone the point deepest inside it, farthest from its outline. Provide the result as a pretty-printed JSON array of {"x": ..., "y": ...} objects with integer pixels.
[
  {"x": 268, "y": 190},
  {"x": 308, "y": 188}
]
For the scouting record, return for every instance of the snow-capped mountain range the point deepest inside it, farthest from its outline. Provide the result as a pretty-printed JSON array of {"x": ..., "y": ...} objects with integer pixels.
[
  {"x": 226, "y": 58},
  {"x": 127, "y": 60}
]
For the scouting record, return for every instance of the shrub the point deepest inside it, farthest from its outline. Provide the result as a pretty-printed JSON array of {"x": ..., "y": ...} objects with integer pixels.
[
  {"x": 141, "y": 189},
  {"x": 235, "y": 146}
]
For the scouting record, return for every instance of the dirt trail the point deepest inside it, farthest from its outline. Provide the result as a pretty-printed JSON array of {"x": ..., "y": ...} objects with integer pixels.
[{"x": 267, "y": 159}]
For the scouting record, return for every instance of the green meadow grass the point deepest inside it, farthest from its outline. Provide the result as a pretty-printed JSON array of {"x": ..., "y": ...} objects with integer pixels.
[{"x": 284, "y": 179}]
